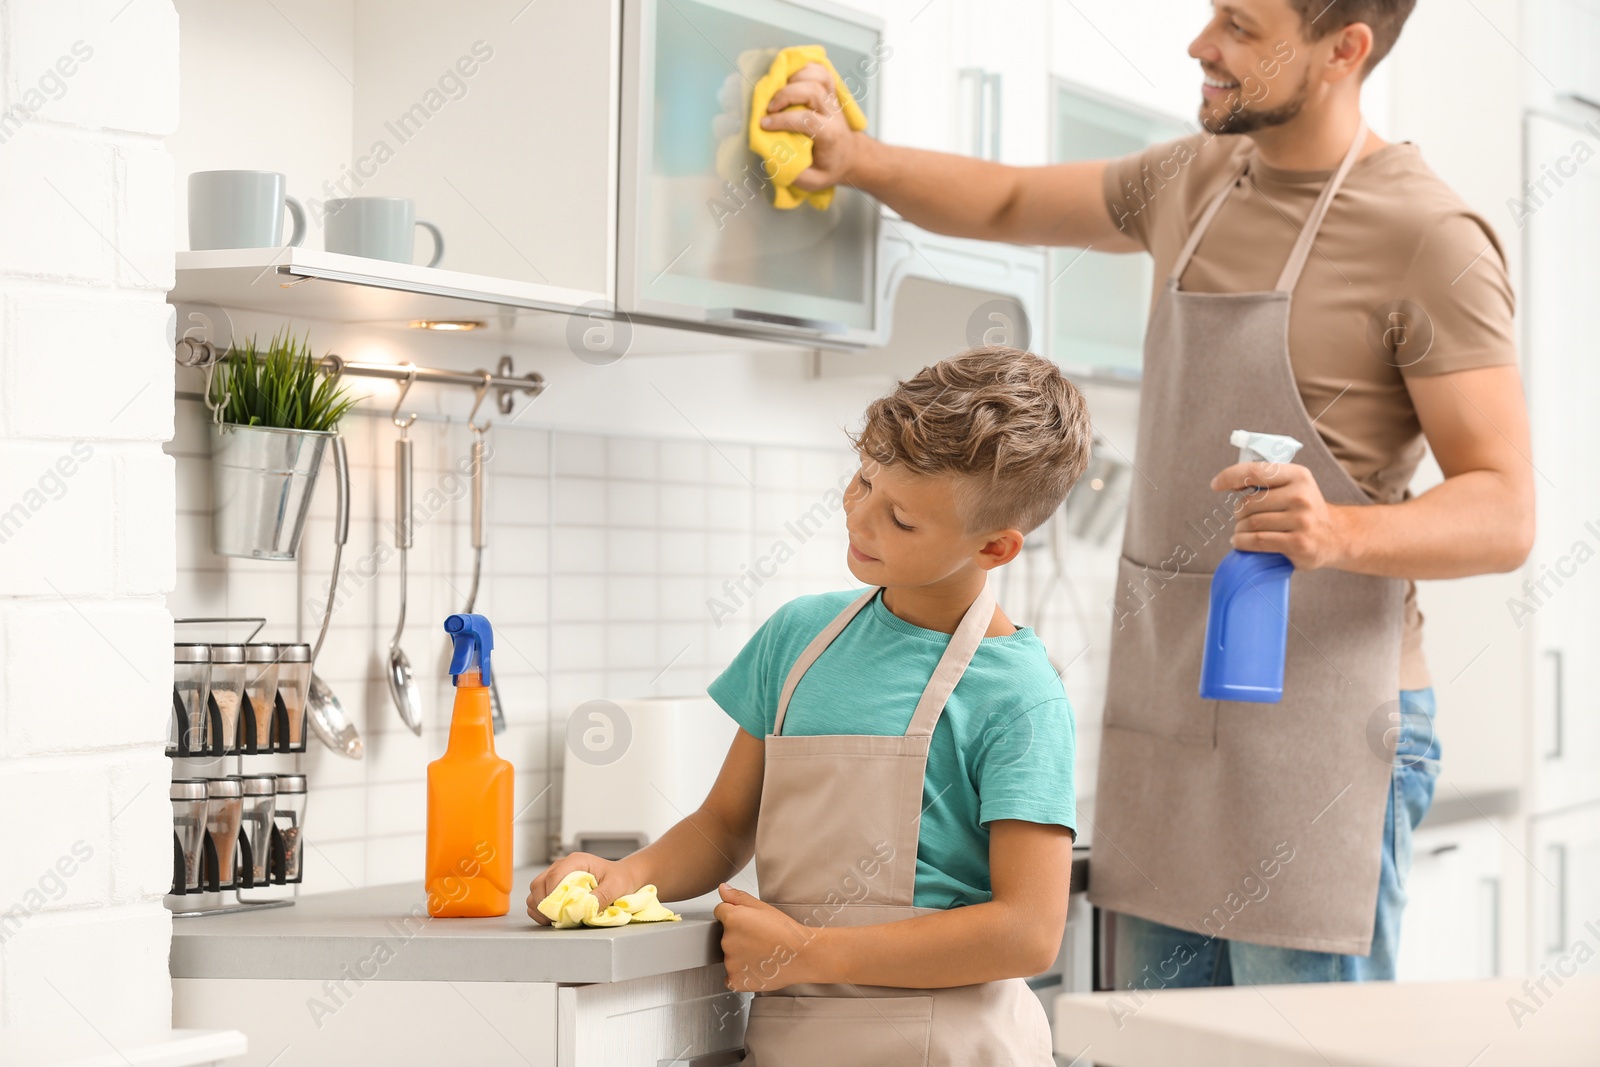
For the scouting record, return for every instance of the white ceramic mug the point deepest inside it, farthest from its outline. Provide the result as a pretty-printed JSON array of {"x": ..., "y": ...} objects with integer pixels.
[
  {"x": 377, "y": 227},
  {"x": 241, "y": 209}
]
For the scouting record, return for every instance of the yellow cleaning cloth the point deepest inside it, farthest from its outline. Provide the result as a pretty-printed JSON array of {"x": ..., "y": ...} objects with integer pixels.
[
  {"x": 784, "y": 153},
  {"x": 573, "y": 903}
]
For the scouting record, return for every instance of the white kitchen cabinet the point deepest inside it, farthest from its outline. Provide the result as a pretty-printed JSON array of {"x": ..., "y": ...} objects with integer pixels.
[
  {"x": 917, "y": 93},
  {"x": 700, "y": 240},
  {"x": 1099, "y": 301},
  {"x": 687, "y": 1017},
  {"x": 500, "y": 125},
  {"x": 1564, "y": 887},
  {"x": 1560, "y": 598},
  {"x": 966, "y": 77},
  {"x": 1002, "y": 73},
  {"x": 1452, "y": 923}
]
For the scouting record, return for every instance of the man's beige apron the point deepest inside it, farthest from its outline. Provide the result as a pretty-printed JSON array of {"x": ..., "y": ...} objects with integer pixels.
[
  {"x": 1199, "y": 802},
  {"x": 836, "y": 845}
]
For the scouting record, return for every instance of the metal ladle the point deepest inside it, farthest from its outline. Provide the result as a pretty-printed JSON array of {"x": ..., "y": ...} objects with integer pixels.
[
  {"x": 323, "y": 710},
  {"x": 480, "y": 538},
  {"x": 402, "y": 683}
]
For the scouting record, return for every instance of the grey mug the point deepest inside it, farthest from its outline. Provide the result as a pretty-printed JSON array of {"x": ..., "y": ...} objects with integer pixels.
[
  {"x": 377, "y": 227},
  {"x": 241, "y": 209}
]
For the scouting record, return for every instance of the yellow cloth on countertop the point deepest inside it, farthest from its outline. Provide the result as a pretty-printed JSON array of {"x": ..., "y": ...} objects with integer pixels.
[
  {"x": 573, "y": 903},
  {"x": 785, "y": 153}
]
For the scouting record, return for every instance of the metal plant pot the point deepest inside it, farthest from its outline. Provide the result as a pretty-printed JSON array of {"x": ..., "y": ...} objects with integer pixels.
[{"x": 261, "y": 483}]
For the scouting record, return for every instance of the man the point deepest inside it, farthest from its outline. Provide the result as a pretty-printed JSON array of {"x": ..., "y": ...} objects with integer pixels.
[{"x": 1314, "y": 281}]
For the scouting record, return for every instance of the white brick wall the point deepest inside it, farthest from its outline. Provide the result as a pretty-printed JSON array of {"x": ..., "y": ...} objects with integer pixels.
[{"x": 87, "y": 91}]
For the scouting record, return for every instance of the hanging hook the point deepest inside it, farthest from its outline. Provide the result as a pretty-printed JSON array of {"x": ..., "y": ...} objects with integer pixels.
[
  {"x": 477, "y": 402},
  {"x": 411, "y": 377}
]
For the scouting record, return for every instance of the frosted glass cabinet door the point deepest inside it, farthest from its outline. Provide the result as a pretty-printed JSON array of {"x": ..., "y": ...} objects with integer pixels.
[{"x": 700, "y": 237}]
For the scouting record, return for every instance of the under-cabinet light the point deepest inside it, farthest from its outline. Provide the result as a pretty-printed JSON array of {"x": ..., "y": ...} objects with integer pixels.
[{"x": 447, "y": 324}]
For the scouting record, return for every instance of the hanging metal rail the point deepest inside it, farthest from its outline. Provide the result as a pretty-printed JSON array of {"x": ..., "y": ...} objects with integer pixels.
[{"x": 191, "y": 351}]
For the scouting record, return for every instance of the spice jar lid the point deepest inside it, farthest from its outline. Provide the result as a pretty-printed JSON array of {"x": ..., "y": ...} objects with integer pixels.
[
  {"x": 223, "y": 787},
  {"x": 291, "y": 783},
  {"x": 260, "y": 785},
  {"x": 183, "y": 652},
  {"x": 227, "y": 653},
  {"x": 188, "y": 789},
  {"x": 294, "y": 653},
  {"x": 262, "y": 653}
]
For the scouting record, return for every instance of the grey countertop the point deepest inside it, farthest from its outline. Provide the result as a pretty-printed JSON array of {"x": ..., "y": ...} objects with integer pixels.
[{"x": 384, "y": 933}]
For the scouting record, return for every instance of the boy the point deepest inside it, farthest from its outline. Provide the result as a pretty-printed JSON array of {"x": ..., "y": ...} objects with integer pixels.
[{"x": 909, "y": 801}]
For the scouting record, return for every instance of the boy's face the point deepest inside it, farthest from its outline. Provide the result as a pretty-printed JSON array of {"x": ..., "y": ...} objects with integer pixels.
[{"x": 906, "y": 529}]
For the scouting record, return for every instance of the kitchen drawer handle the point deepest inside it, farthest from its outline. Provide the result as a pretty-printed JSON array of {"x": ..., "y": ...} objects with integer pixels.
[
  {"x": 723, "y": 1058},
  {"x": 768, "y": 318},
  {"x": 1559, "y": 684},
  {"x": 1556, "y": 939}
]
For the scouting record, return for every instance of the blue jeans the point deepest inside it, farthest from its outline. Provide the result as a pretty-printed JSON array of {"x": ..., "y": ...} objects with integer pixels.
[{"x": 1145, "y": 950}]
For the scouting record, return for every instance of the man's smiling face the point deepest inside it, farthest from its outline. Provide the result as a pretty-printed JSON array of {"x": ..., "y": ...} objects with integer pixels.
[{"x": 1255, "y": 65}]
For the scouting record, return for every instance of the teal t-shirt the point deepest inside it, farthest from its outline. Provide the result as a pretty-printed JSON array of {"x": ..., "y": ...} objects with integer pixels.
[{"x": 1002, "y": 749}]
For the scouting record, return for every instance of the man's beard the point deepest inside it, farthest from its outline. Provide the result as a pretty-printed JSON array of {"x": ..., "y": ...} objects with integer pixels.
[{"x": 1225, "y": 120}]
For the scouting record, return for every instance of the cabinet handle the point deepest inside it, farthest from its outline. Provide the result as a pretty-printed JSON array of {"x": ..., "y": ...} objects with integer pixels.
[
  {"x": 992, "y": 82},
  {"x": 723, "y": 1058},
  {"x": 1556, "y": 941},
  {"x": 1558, "y": 685},
  {"x": 768, "y": 318},
  {"x": 1489, "y": 894},
  {"x": 983, "y": 88}
]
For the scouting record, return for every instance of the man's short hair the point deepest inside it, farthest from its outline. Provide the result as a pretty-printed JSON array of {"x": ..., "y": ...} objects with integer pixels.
[{"x": 1318, "y": 18}]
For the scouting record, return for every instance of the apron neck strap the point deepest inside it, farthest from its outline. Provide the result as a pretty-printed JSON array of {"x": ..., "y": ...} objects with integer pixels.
[
  {"x": 957, "y": 654},
  {"x": 953, "y": 664},
  {"x": 815, "y": 649},
  {"x": 1308, "y": 233}
]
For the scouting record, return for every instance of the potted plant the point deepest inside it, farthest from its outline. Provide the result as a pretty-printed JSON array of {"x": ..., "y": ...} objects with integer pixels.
[{"x": 275, "y": 413}]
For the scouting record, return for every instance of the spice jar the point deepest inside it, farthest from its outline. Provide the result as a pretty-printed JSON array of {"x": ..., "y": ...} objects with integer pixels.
[
  {"x": 223, "y": 810},
  {"x": 294, "y": 681},
  {"x": 255, "y": 837},
  {"x": 188, "y": 833},
  {"x": 260, "y": 698},
  {"x": 228, "y": 671},
  {"x": 187, "y": 733},
  {"x": 290, "y": 814}
]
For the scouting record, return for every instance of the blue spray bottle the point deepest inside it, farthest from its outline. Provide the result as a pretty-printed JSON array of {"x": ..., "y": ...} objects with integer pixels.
[{"x": 1247, "y": 628}]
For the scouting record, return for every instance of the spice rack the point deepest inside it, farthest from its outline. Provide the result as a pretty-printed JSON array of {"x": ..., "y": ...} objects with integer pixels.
[{"x": 234, "y": 832}]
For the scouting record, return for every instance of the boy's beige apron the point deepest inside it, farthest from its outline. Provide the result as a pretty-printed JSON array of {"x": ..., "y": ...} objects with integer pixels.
[
  {"x": 1199, "y": 802},
  {"x": 836, "y": 845}
]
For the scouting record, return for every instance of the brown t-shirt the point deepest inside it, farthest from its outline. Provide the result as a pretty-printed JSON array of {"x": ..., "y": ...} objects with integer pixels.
[{"x": 1394, "y": 233}]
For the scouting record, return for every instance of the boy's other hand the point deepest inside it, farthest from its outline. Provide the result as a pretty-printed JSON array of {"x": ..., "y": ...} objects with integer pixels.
[
  {"x": 762, "y": 948},
  {"x": 613, "y": 878},
  {"x": 821, "y": 117}
]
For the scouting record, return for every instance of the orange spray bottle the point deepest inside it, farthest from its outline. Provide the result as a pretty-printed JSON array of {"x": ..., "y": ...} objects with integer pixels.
[{"x": 469, "y": 791}]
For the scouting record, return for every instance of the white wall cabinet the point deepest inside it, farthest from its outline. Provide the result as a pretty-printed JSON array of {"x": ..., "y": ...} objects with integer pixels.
[
  {"x": 1561, "y": 596},
  {"x": 966, "y": 77},
  {"x": 1564, "y": 886},
  {"x": 1002, "y": 71}
]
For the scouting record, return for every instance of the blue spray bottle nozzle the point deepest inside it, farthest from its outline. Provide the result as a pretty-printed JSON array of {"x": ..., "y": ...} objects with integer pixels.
[{"x": 474, "y": 641}]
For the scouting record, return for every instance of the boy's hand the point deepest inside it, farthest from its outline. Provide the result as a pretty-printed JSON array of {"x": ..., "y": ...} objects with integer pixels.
[
  {"x": 762, "y": 947},
  {"x": 613, "y": 878}
]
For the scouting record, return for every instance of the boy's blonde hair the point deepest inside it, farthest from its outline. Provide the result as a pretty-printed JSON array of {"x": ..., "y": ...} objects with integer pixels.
[{"x": 1006, "y": 423}]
